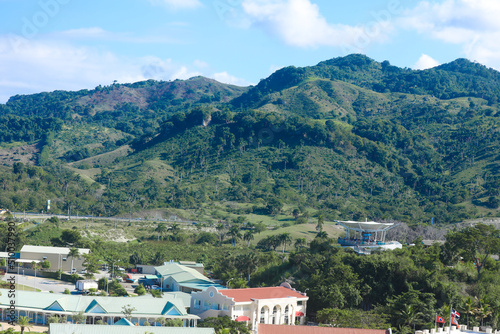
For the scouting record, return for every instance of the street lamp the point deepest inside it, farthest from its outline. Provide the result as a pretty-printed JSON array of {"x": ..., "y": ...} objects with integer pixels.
[{"x": 227, "y": 284}]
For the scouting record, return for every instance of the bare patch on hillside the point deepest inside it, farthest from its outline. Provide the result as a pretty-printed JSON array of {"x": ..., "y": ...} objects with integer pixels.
[{"x": 27, "y": 154}]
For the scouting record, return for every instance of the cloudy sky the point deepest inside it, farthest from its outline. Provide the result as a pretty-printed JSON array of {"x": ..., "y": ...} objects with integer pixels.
[{"x": 68, "y": 44}]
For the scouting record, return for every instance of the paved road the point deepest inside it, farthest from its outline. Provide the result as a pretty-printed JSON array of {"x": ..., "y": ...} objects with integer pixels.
[
  {"x": 42, "y": 283},
  {"x": 56, "y": 286}
]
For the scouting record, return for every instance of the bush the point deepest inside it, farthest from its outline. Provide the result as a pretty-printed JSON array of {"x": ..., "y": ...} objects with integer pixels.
[
  {"x": 67, "y": 292},
  {"x": 140, "y": 290}
]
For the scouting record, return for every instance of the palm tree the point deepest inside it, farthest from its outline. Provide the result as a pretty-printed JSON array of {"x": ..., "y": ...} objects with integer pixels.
[
  {"x": 175, "y": 229},
  {"x": 285, "y": 238},
  {"x": 24, "y": 322},
  {"x": 300, "y": 242},
  {"x": 247, "y": 263},
  {"x": 248, "y": 236},
  {"x": 322, "y": 235},
  {"x": 409, "y": 315},
  {"x": 319, "y": 226},
  {"x": 469, "y": 308},
  {"x": 235, "y": 234},
  {"x": 161, "y": 229},
  {"x": 220, "y": 228},
  {"x": 483, "y": 311},
  {"x": 73, "y": 252}
]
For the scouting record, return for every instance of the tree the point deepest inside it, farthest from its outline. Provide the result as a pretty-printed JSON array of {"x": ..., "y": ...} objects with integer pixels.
[
  {"x": 78, "y": 318},
  {"x": 319, "y": 226},
  {"x": 285, "y": 239},
  {"x": 483, "y": 310},
  {"x": 24, "y": 322},
  {"x": 225, "y": 325},
  {"x": 174, "y": 229},
  {"x": 475, "y": 244},
  {"x": 221, "y": 231},
  {"x": 274, "y": 206},
  {"x": 70, "y": 237},
  {"x": 161, "y": 229},
  {"x": 135, "y": 258},
  {"x": 247, "y": 263},
  {"x": 173, "y": 323},
  {"x": 140, "y": 290},
  {"x": 90, "y": 264},
  {"x": 234, "y": 233},
  {"x": 260, "y": 227},
  {"x": 127, "y": 311},
  {"x": 73, "y": 252},
  {"x": 469, "y": 308},
  {"x": 409, "y": 316},
  {"x": 300, "y": 242},
  {"x": 248, "y": 236},
  {"x": 45, "y": 264},
  {"x": 102, "y": 283}
]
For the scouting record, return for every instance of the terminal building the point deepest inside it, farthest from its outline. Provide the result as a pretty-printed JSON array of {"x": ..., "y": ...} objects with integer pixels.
[{"x": 366, "y": 237}]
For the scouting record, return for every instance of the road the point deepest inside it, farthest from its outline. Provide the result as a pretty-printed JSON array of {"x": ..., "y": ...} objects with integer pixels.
[{"x": 42, "y": 283}]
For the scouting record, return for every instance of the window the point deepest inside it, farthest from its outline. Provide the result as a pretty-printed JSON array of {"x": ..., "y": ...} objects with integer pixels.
[
  {"x": 262, "y": 320},
  {"x": 299, "y": 302},
  {"x": 196, "y": 303}
]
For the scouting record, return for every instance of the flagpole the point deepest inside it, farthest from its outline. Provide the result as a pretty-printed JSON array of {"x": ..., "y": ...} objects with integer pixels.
[
  {"x": 435, "y": 322},
  {"x": 451, "y": 309}
]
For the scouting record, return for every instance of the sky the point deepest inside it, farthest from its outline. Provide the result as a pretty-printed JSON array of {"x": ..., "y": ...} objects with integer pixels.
[{"x": 48, "y": 45}]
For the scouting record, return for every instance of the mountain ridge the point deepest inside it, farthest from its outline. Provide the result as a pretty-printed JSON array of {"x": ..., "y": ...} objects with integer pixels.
[{"x": 348, "y": 137}]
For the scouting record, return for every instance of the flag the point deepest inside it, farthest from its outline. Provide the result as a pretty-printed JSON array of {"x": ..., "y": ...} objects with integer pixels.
[
  {"x": 455, "y": 314},
  {"x": 454, "y": 321},
  {"x": 439, "y": 319}
]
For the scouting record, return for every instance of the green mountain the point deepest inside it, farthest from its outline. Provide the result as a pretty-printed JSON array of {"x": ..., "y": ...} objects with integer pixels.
[{"x": 347, "y": 138}]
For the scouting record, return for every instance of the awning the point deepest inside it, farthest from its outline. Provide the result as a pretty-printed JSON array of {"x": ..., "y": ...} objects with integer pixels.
[
  {"x": 299, "y": 314},
  {"x": 242, "y": 318},
  {"x": 27, "y": 261}
]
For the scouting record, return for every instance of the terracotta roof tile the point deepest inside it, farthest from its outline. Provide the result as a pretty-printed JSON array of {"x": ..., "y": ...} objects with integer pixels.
[
  {"x": 244, "y": 295},
  {"x": 286, "y": 329}
]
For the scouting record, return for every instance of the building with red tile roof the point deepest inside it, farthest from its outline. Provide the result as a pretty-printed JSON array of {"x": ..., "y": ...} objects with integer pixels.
[
  {"x": 270, "y": 305},
  {"x": 282, "y": 329}
]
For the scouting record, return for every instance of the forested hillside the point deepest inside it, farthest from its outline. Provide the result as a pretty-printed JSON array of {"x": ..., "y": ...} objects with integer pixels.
[{"x": 349, "y": 138}]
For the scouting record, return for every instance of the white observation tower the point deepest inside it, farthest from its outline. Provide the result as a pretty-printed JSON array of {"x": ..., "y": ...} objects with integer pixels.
[{"x": 365, "y": 237}]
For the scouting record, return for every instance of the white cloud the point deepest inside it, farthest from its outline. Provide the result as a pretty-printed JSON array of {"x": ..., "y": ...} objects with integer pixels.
[
  {"x": 165, "y": 69},
  {"x": 425, "y": 62},
  {"x": 177, "y": 4},
  {"x": 472, "y": 24},
  {"x": 29, "y": 66},
  {"x": 300, "y": 23},
  {"x": 225, "y": 77},
  {"x": 36, "y": 66}
]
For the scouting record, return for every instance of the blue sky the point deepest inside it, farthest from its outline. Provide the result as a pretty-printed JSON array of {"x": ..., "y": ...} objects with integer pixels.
[{"x": 70, "y": 45}]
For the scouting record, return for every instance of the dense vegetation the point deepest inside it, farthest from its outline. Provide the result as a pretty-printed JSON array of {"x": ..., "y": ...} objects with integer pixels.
[
  {"x": 403, "y": 289},
  {"x": 348, "y": 138}
]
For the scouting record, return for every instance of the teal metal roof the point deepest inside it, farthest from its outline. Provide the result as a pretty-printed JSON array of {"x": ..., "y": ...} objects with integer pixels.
[
  {"x": 103, "y": 329},
  {"x": 202, "y": 285},
  {"x": 181, "y": 273},
  {"x": 123, "y": 322},
  {"x": 144, "y": 305}
]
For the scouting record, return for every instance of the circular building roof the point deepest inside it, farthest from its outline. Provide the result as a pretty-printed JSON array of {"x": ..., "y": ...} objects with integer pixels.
[{"x": 366, "y": 226}]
